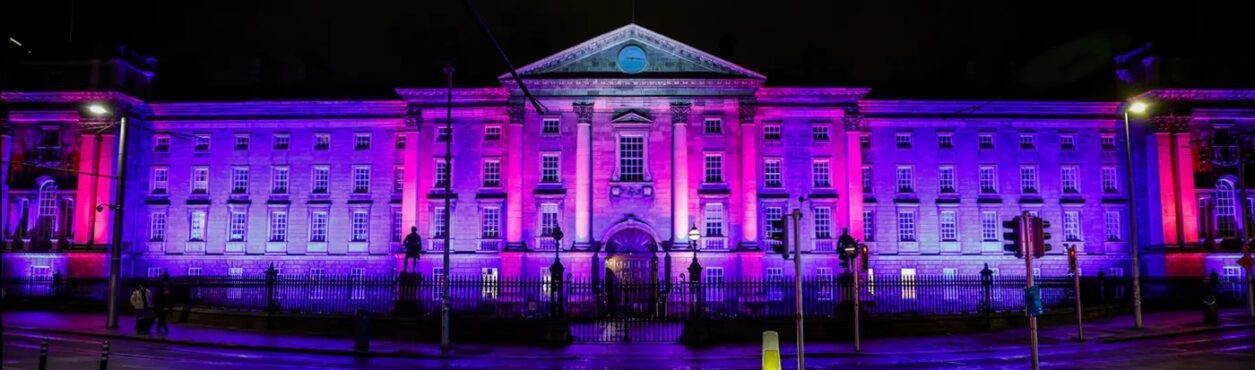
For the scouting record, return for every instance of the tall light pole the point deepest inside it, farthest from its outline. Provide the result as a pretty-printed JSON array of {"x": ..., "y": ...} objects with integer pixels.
[
  {"x": 115, "y": 249},
  {"x": 448, "y": 193},
  {"x": 797, "y": 282},
  {"x": 1138, "y": 108},
  {"x": 695, "y": 272}
]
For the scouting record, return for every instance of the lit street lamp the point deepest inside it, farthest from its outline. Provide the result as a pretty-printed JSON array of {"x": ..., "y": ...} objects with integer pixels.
[
  {"x": 1136, "y": 107},
  {"x": 115, "y": 249},
  {"x": 695, "y": 271}
]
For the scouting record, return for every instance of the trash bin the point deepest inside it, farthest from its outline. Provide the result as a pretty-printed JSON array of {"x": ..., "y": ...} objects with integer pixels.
[
  {"x": 1211, "y": 311},
  {"x": 361, "y": 333}
]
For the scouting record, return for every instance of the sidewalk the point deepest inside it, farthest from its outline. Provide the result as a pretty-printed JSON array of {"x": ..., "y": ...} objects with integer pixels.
[{"x": 1111, "y": 329}]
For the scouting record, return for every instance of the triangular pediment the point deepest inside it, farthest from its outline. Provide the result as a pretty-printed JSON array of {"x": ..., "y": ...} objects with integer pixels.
[
  {"x": 663, "y": 57},
  {"x": 631, "y": 116}
]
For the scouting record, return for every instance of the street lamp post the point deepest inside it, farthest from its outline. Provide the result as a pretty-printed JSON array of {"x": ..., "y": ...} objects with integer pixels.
[
  {"x": 555, "y": 274},
  {"x": 115, "y": 249},
  {"x": 1139, "y": 108},
  {"x": 695, "y": 272},
  {"x": 448, "y": 193}
]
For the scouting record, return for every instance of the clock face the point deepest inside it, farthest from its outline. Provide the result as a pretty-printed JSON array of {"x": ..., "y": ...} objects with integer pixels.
[{"x": 632, "y": 59}]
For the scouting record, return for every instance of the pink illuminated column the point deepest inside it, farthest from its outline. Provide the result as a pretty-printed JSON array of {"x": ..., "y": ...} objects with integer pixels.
[
  {"x": 679, "y": 172},
  {"x": 1174, "y": 158},
  {"x": 583, "y": 173},
  {"x": 749, "y": 174},
  {"x": 854, "y": 172},
  {"x": 106, "y": 167},
  {"x": 514, "y": 182},
  {"x": 410, "y": 198}
]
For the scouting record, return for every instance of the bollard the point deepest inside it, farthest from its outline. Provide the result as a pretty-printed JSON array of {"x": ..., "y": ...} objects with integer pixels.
[
  {"x": 104, "y": 356},
  {"x": 361, "y": 334},
  {"x": 771, "y": 350},
  {"x": 43, "y": 354},
  {"x": 1211, "y": 311}
]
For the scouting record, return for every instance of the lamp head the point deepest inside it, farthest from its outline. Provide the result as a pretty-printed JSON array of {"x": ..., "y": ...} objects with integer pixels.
[
  {"x": 1138, "y": 107},
  {"x": 694, "y": 234},
  {"x": 97, "y": 109}
]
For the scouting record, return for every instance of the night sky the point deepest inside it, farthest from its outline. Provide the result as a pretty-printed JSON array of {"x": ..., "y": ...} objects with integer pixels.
[{"x": 225, "y": 49}]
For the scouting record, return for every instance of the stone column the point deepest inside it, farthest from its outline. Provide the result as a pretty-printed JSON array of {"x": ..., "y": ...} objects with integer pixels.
[
  {"x": 514, "y": 178},
  {"x": 106, "y": 168},
  {"x": 748, "y": 110},
  {"x": 412, "y": 201},
  {"x": 679, "y": 173},
  {"x": 1172, "y": 161},
  {"x": 854, "y": 128},
  {"x": 6, "y": 156},
  {"x": 583, "y": 173}
]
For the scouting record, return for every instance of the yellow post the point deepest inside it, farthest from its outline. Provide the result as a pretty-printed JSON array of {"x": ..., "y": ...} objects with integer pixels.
[{"x": 771, "y": 350}]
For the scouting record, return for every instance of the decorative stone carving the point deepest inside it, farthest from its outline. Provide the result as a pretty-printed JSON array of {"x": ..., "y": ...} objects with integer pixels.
[
  {"x": 413, "y": 117},
  {"x": 855, "y": 122},
  {"x": 747, "y": 108},
  {"x": 515, "y": 111},
  {"x": 1170, "y": 124},
  {"x": 680, "y": 112},
  {"x": 583, "y": 112}
]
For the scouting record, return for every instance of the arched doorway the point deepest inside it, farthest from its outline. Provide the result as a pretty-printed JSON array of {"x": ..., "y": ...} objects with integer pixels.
[{"x": 629, "y": 252}]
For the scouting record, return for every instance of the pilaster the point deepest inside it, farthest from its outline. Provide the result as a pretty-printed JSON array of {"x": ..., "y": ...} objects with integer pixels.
[{"x": 679, "y": 173}]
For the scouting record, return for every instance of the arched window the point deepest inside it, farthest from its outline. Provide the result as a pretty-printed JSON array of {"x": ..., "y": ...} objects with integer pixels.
[
  {"x": 1226, "y": 214},
  {"x": 48, "y": 207}
]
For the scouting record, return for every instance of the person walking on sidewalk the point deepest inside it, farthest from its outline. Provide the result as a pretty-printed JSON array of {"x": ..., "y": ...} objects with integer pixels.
[
  {"x": 141, "y": 300},
  {"x": 162, "y": 307}
]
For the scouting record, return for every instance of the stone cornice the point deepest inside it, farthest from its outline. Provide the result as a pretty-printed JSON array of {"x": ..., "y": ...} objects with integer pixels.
[
  {"x": 276, "y": 109},
  {"x": 68, "y": 97},
  {"x": 461, "y": 96},
  {"x": 1199, "y": 95},
  {"x": 977, "y": 108},
  {"x": 637, "y": 86},
  {"x": 809, "y": 95}
]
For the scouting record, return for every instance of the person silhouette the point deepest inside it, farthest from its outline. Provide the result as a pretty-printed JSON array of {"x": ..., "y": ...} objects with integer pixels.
[{"x": 413, "y": 244}]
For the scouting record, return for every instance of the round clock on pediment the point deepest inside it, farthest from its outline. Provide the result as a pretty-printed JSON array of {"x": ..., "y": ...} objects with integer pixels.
[{"x": 632, "y": 59}]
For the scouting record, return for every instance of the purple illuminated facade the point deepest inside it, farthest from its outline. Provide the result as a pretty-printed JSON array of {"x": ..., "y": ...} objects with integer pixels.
[{"x": 634, "y": 150}]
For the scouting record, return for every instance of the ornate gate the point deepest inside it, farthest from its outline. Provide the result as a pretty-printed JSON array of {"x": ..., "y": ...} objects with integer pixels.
[{"x": 634, "y": 304}]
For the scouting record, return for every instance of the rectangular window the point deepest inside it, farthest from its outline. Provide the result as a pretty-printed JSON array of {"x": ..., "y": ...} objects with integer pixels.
[
  {"x": 949, "y": 229},
  {"x": 241, "y": 141},
  {"x": 437, "y": 222},
  {"x": 989, "y": 226},
  {"x": 907, "y": 276},
  {"x": 714, "y": 169},
  {"x": 905, "y": 179},
  {"x": 867, "y": 179},
  {"x": 237, "y": 226},
  {"x": 492, "y": 173},
  {"x": 239, "y": 180},
  {"x": 869, "y": 225},
  {"x": 322, "y": 141},
  {"x": 550, "y": 126},
  {"x": 631, "y": 158},
  {"x": 360, "y": 225},
  {"x": 281, "y": 141},
  {"x": 821, "y": 177},
  {"x": 985, "y": 140},
  {"x": 548, "y": 218},
  {"x": 713, "y": 126},
  {"x": 278, "y": 225},
  {"x": 398, "y": 230},
  {"x": 549, "y": 168},
  {"x": 1111, "y": 223},
  {"x": 820, "y": 133},
  {"x": 196, "y": 225},
  {"x": 945, "y": 140},
  {"x": 444, "y": 133},
  {"x": 361, "y": 179},
  {"x": 492, "y": 133},
  {"x": 775, "y": 284},
  {"x": 714, "y": 280},
  {"x": 318, "y": 226},
  {"x": 1109, "y": 182},
  {"x": 201, "y": 143},
  {"x": 945, "y": 179},
  {"x": 442, "y": 173},
  {"x": 160, "y": 183},
  {"x": 1108, "y": 141},
  {"x": 771, "y": 132},
  {"x": 988, "y": 177},
  {"x": 1070, "y": 178},
  {"x": 906, "y": 226},
  {"x": 398, "y": 179},
  {"x": 903, "y": 140},
  {"x": 279, "y": 179},
  {"x": 398, "y": 141},
  {"x": 157, "y": 226},
  {"x": 321, "y": 179},
  {"x": 200, "y": 180},
  {"x": 823, "y": 223},
  {"x": 1028, "y": 141},
  {"x": 1028, "y": 179},
  {"x": 490, "y": 223},
  {"x": 772, "y": 178},
  {"x": 865, "y": 141},
  {"x": 161, "y": 143},
  {"x": 824, "y": 275},
  {"x": 1067, "y": 142},
  {"x": 771, "y": 215},
  {"x": 714, "y": 219},
  {"x": 1072, "y": 226},
  {"x": 361, "y": 141}
]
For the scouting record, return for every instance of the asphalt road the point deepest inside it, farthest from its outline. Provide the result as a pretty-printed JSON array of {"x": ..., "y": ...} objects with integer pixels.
[{"x": 1233, "y": 349}]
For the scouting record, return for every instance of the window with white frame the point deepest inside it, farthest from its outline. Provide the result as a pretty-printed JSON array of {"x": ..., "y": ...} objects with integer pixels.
[
  {"x": 442, "y": 173},
  {"x": 1028, "y": 179},
  {"x": 824, "y": 275},
  {"x": 869, "y": 225},
  {"x": 201, "y": 143},
  {"x": 398, "y": 141},
  {"x": 1109, "y": 182},
  {"x": 281, "y": 141},
  {"x": 444, "y": 133},
  {"x": 237, "y": 225},
  {"x": 1108, "y": 141},
  {"x": 161, "y": 143},
  {"x": 820, "y": 133},
  {"x": 713, "y": 126},
  {"x": 989, "y": 226},
  {"x": 772, "y": 176},
  {"x": 714, "y": 219},
  {"x": 438, "y": 222},
  {"x": 398, "y": 179},
  {"x": 714, "y": 280},
  {"x": 550, "y": 126},
  {"x": 492, "y": 133},
  {"x": 907, "y": 276},
  {"x": 397, "y": 229},
  {"x": 1028, "y": 141},
  {"x": 821, "y": 176},
  {"x": 1070, "y": 178},
  {"x": 631, "y": 158},
  {"x": 823, "y": 223},
  {"x": 949, "y": 228},
  {"x": 550, "y": 168},
  {"x": 1067, "y": 142},
  {"x": 902, "y": 139},
  {"x": 278, "y": 225},
  {"x": 867, "y": 179},
  {"x": 1111, "y": 225},
  {"x": 988, "y": 178},
  {"x": 318, "y": 226},
  {"x": 775, "y": 284},
  {"x": 321, "y": 179},
  {"x": 361, "y": 141},
  {"x": 160, "y": 183},
  {"x": 1072, "y": 226},
  {"x": 490, "y": 223},
  {"x": 905, "y": 179},
  {"x": 906, "y": 225},
  {"x": 157, "y": 226},
  {"x": 241, "y": 141},
  {"x": 945, "y": 140},
  {"x": 548, "y": 218},
  {"x": 771, "y": 215},
  {"x": 239, "y": 180},
  {"x": 200, "y": 180},
  {"x": 714, "y": 168},
  {"x": 322, "y": 141},
  {"x": 945, "y": 179},
  {"x": 279, "y": 179},
  {"x": 492, "y": 173},
  {"x": 67, "y": 207},
  {"x": 1226, "y": 209},
  {"x": 488, "y": 281},
  {"x": 771, "y": 133},
  {"x": 196, "y": 225},
  {"x": 985, "y": 140},
  {"x": 360, "y": 225},
  {"x": 361, "y": 179}
]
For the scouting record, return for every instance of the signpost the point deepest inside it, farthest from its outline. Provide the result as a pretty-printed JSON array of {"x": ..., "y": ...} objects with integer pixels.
[
  {"x": 1032, "y": 294},
  {"x": 1076, "y": 290},
  {"x": 1246, "y": 263}
]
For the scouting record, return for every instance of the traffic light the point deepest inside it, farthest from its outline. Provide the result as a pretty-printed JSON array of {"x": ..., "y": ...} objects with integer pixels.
[
  {"x": 1013, "y": 237},
  {"x": 1072, "y": 258},
  {"x": 862, "y": 253},
  {"x": 779, "y": 233},
  {"x": 1040, "y": 236}
]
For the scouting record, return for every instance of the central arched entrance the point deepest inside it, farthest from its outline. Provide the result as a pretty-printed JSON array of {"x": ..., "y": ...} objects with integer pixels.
[{"x": 630, "y": 256}]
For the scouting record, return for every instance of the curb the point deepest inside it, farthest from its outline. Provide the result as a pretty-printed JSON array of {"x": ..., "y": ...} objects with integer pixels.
[
  {"x": 1173, "y": 333},
  {"x": 316, "y": 351}
]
